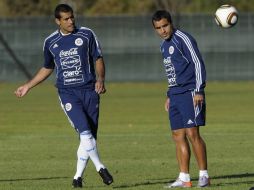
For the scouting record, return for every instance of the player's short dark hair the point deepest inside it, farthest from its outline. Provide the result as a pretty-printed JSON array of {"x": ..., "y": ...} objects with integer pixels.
[
  {"x": 62, "y": 8},
  {"x": 160, "y": 14}
]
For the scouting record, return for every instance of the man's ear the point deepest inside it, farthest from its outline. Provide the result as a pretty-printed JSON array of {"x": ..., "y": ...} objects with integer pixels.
[{"x": 57, "y": 21}]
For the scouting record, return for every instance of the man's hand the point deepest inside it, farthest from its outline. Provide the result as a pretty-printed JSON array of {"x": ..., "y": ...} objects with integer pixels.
[
  {"x": 100, "y": 87},
  {"x": 100, "y": 73},
  {"x": 40, "y": 76},
  {"x": 198, "y": 100},
  {"x": 21, "y": 91},
  {"x": 167, "y": 103}
]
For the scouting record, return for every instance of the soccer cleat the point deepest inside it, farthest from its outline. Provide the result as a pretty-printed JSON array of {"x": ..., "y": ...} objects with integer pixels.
[
  {"x": 179, "y": 183},
  {"x": 106, "y": 177},
  {"x": 203, "y": 181},
  {"x": 77, "y": 183}
]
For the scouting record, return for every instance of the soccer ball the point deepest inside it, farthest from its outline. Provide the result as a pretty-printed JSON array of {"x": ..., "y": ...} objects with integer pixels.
[{"x": 226, "y": 16}]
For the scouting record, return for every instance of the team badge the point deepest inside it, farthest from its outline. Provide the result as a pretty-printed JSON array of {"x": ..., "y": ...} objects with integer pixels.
[
  {"x": 171, "y": 50},
  {"x": 78, "y": 41},
  {"x": 68, "y": 106}
]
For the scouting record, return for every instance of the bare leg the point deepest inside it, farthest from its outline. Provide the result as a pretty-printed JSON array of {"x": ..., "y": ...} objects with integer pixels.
[
  {"x": 198, "y": 146},
  {"x": 182, "y": 149}
]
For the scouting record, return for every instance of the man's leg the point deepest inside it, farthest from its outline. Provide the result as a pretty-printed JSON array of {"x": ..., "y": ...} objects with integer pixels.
[
  {"x": 91, "y": 101},
  {"x": 73, "y": 108},
  {"x": 182, "y": 149},
  {"x": 181, "y": 142},
  {"x": 82, "y": 159},
  {"x": 199, "y": 149},
  {"x": 183, "y": 158},
  {"x": 71, "y": 104},
  {"x": 198, "y": 146},
  {"x": 88, "y": 142}
]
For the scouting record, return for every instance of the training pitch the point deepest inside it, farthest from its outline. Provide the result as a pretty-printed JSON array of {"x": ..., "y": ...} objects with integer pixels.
[{"x": 38, "y": 145}]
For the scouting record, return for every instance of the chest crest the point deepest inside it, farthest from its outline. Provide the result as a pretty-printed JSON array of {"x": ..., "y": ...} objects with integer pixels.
[
  {"x": 171, "y": 50},
  {"x": 78, "y": 42}
]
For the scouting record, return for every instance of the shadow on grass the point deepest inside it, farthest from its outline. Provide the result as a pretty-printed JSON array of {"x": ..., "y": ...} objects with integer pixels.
[
  {"x": 32, "y": 179},
  {"x": 246, "y": 175},
  {"x": 164, "y": 181}
]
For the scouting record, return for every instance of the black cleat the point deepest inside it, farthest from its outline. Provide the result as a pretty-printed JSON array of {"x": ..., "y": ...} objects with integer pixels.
[
  {"x": 77, "y": 183},
  {"x": 106, "y": 177}
]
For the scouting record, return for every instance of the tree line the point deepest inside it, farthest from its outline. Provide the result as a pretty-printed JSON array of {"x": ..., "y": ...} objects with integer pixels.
[{"x": 16, "y": 8}]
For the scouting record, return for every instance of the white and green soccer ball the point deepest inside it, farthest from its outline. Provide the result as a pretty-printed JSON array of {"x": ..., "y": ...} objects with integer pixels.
[{"x": 226, "y": 16}]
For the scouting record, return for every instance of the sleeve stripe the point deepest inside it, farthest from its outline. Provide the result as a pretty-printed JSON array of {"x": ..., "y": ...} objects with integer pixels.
[
  {"x": 196, "y": 108},
  {"x": 54, "y": 33},
  {"x": 96, "y": 39},
  {"x": 194, "y": 58}
]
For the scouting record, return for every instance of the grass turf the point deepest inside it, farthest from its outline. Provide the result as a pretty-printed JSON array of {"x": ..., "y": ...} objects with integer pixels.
[{"x": 38, "y": 146}]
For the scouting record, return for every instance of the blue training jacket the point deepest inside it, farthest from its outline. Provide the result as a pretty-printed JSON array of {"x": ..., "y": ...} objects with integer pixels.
[
  {"x": 183, "y": 63},
  {"x": 74, "y": 56}
]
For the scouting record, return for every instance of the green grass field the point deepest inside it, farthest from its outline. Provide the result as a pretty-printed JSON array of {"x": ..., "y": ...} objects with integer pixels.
[{"x": 38, "y": 146}]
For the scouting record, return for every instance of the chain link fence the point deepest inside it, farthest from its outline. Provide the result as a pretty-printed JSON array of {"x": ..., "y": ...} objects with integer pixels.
[{"x": 131, "y": 47}]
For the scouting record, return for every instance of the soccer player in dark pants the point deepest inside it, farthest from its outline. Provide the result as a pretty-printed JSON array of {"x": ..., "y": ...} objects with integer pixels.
[
  {"x": 80, "y": 73},
  {"x": 185, "y": 101}
]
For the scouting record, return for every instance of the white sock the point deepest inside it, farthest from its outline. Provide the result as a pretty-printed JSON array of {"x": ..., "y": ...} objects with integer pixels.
[
  {"x": 184, "y": 177},
  {"x": 203, "y": 173},
  {"x": 89, "y": 143},
  {"x": 82, "y": 159}
]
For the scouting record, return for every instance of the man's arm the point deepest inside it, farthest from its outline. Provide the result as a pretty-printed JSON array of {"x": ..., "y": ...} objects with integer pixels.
[
  {"x": 40, "y": 76},
  {"x": 193, "y": 54},
  {"x": 100, "y": 72}
]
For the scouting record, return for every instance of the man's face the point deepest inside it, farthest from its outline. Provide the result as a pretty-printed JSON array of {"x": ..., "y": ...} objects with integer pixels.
[
  {"x": 163, "y": 28},
  {"x": 66, "y": 22}
]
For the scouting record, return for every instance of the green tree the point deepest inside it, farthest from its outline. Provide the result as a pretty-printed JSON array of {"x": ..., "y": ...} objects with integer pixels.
[
  {"x": 28, "y": 7},
  {"x": 112, "y": 7},
  {"x": 13, "y": 8}
]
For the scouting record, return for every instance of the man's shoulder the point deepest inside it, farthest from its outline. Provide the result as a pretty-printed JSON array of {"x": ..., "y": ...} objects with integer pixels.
[
  {"x": 84, "y": 31},
  {"x": 52, "y": 37},
  {"x": 183, "y": 36}
]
